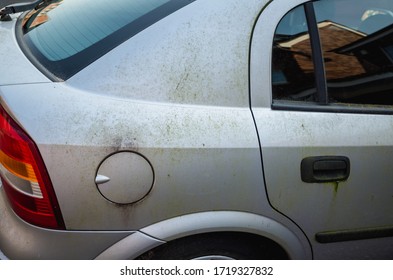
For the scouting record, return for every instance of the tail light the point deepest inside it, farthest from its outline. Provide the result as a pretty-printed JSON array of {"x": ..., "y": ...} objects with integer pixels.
[{"x": 25, "y": 178}]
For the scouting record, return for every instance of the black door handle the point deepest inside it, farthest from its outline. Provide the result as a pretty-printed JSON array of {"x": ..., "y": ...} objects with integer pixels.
[{"x": 325, "y": 169}]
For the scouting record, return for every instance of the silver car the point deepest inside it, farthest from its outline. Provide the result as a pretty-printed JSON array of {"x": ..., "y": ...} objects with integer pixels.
[{"x": 196, "y": 129}]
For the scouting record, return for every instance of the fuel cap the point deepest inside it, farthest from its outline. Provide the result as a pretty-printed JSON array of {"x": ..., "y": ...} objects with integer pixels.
[{"x": 125, "y": 177}]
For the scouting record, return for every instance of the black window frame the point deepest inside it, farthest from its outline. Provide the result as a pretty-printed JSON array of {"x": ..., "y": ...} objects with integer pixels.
[
  {"x": 322, "y": 96},
  {"x": 62, "y": 70}
]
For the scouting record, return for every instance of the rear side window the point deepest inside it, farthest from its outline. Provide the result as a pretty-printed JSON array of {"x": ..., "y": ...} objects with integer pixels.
[
  {"x": 356, "y": 37},
  {"x": 293, "y": 69},
  {"x": 67, "y": 35},
  {"x": 356, "y": 55}
]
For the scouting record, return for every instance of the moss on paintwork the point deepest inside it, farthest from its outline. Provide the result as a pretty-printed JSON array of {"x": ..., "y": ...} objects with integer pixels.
[{"x": 335, "y": 185}]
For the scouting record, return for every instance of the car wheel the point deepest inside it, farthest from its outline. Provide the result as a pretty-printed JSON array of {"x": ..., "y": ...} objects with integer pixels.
[{"x": 217, "y": 246}]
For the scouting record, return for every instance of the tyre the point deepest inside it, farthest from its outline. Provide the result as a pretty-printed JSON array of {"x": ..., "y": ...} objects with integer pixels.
[{"x": 218, "y": 246}]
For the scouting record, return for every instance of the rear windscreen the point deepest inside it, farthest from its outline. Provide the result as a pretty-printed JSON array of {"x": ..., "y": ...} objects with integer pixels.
[{"x": 65, "y": 36}]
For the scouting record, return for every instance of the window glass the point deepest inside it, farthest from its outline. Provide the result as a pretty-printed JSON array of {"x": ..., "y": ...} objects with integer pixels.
[
  {"x": 357, "y": 44},
  {"x": 65, "y": 28},
  {"x": 292, "y": 66},
  {"x": 64, "y": 36}
]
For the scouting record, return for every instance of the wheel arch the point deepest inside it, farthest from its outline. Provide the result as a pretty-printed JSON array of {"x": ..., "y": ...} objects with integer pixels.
[{"x": 209, "y": 222}]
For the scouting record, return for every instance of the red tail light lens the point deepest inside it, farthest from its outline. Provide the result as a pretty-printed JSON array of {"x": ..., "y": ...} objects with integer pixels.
[{"x": 25, "y": 178}]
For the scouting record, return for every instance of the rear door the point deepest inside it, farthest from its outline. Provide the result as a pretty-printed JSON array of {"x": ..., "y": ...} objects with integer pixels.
[{"x": 322, "y": 98}]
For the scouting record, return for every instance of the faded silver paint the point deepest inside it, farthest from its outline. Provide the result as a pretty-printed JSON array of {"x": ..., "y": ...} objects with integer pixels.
[
  {"x": 168, "y": 62},
  {"x": 12, "y": 55},
  {"x": 20, "y": 240},
  {"x": 204, "y": 222},
  {"x": 364, "y": 200},
  {"x": 181, "y": 104},
  {"x": 177, "y": 94}
]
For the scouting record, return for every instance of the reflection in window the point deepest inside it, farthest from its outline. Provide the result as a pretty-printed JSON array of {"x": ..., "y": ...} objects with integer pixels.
[
  {"x": 389, "y": 52},
  {"x": 357, "y": 40},
  {"x": 357, "y": 46},
  {"x": 293, "y": 69},
  {"x": 63, "y": 29}
]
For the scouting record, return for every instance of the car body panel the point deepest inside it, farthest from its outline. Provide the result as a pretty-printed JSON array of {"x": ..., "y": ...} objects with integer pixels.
[
  {"x": 190, "y": 96},
  {"x": 167, "y": 63},
  {"x": 20, "y": 240},
  {"x": 15, "y": 67},
  {"x": 83, "y": 131},
  {"x": 361, "y": 203},
  {"x": 215, "y": 221},
  {"x": 190, "y": 120}
]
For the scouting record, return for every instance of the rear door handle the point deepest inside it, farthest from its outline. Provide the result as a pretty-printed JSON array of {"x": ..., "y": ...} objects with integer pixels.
[{"x": 325, "y": 169}]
